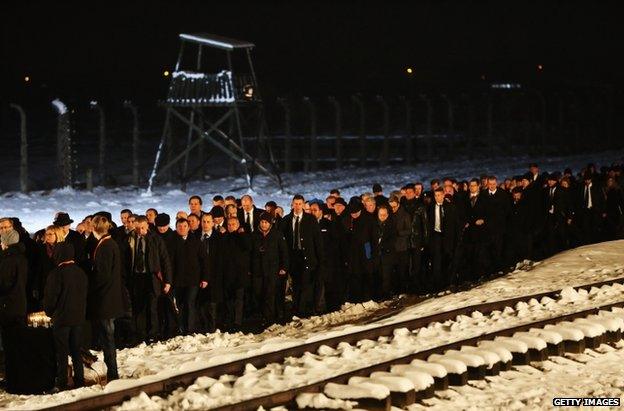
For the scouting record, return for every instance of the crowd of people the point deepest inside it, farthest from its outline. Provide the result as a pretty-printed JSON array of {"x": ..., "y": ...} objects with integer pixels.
[{"x": 154, "y": 276}]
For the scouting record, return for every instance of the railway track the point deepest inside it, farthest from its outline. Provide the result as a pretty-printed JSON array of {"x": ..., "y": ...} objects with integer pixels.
[
  {"x": 287, "y": 397},
  {"x": 379, "y": 372}
]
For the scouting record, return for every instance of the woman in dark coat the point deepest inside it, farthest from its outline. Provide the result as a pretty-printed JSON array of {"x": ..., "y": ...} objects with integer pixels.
[
  {"x": 269, "y": 260},
  {"x": 233, "y": 262},
  {"x": 65, "y": 301}
]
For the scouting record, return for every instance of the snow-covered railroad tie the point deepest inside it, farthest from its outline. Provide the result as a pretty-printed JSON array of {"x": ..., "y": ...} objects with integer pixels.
[{"x": 527, "y": 332}]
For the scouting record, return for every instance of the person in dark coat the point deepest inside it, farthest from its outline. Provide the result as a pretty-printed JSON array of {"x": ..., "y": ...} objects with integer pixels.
[
  {"x": 191, "y": 270},
  {"x": 518, "y": 232},
  {"x": 385, "y": 251},
  {"x": 65, "y": 302},
  {"x": 590, "y": 210},
  {"x": 248, "y": 214},
  {"x": 497, "y": 207},
  {"x": 445, "y": 230},
  {"x": 105, "y": 300},
  {"x": 317, "y": 210},
  {"x": 614, "y": 207},
  {"x": 305, "y": 257},
  {"x": 168, "y": 309},
  {"x": 269, "y": 259},
  {"x": 13, "y": 276},
  {"x": 147, "y": 264},
  {"x": 211, "y": 290},
  {"x": 418, "y": 239},
  {"x": 558, "y": 216},
  {"x": 234, "y": 262},
  {"x": 334, "y": 238},
  {"x": 403, "y": 225},
  {"x": 360, "y": 253},
  {"x": 475, "y": 235},
  {"x": 76, "y": 239}
]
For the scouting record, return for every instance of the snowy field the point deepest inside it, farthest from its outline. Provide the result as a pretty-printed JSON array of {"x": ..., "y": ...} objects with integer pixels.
[
  {"x": 37, "y": 209},
  {"x": 158, "y": 361}
]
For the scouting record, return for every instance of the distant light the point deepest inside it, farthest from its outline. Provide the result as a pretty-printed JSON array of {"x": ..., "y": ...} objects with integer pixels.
[
  {"x": 166, "y": 73},
  {"x": 505, "y": 85},
  {"x": 27, "y": 79},
  {"x": 482, "y": 76},
  {"x": 409, "y": 70},
  {"x": 540, "y": 67}
]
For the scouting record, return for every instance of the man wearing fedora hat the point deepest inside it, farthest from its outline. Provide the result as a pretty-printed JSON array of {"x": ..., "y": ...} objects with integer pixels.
[{"x": 63, "y": 221}]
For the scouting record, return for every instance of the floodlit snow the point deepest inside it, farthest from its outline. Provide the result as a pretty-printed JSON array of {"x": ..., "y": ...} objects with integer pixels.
[
  {"x": 37, "y": 209},
  {"x": 594, "y": 373},
  {"x": 60, "y": 107}
]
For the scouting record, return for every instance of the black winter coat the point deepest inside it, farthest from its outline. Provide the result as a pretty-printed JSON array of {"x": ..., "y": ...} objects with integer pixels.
[
  {"x": 13, "y": 275},
  {"x": 269, "y": 253},
  {"x": 234, "y": 260},
  {"x": 476, "y": 233},
  {"x": 189, "y": 262},
  {"x": 214, "y": 291},
  {"x": 419, "y": 233},
  {"x": 65, "y": 295},
  {"x": 497, "y": 208},
  {"x": 403, "y": 225},
  {"x": 105, "y": 298},
  {"x": 362, "y": 243}
]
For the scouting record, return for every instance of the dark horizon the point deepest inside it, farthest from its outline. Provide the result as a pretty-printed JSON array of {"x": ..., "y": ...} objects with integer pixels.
[{"x": 114, "y": 51}]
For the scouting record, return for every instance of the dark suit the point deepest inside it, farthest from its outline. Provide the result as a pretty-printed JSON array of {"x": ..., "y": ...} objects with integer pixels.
[
  {"x": 476, "y": 237},
  {"x": 190, "y": 262},
  {"x": 211, "y": 296},
  {"x": 305, "y": 259},
  {"x": 442, "y": 244},
  {"x": 146, "y": 285},
  {"x": 590, "y": 219},
  {"x": 255, "y": 216},
  {"x": 497, "y": 208},
  {"x": 557, "y": 211}
]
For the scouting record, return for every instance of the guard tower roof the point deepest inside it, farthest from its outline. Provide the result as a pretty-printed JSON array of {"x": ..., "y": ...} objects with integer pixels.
[{"x": 214, "y": 40}]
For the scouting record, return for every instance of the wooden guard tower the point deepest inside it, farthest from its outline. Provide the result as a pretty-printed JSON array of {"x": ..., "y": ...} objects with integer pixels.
[{"x": 219, "y": 107}]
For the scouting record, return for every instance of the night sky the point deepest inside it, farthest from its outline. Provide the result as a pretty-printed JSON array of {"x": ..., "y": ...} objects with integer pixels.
[{"x": 118, "y": 50}]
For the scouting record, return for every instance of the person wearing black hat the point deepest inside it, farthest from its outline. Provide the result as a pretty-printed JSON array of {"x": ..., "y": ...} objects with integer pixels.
[
  {"x": 360, "y": 253},
  {"x": 378, "y": 193},
  {"x": 65, "y": 301},
  {"x": 218, "y": 217},
  {"x": 78, "y": 241},
  {"x": 303, "y": 237},
  {"x": 269, "y": 261}
]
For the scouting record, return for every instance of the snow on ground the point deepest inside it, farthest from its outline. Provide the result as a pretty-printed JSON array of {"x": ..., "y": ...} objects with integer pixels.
[
  {"x": 584, "y": 265},
  {"x": 37, "y": 209},
  {"x": 594, "y": 373},
  {"x": 329, "y": 362}
]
